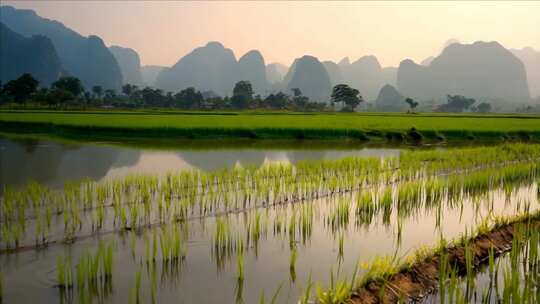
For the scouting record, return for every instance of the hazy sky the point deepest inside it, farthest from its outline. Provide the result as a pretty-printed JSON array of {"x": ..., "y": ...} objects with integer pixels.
[{"x": 163, "y": 31}]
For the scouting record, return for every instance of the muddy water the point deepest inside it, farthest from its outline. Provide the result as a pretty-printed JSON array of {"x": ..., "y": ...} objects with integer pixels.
[{"x": 30, "y": 276}]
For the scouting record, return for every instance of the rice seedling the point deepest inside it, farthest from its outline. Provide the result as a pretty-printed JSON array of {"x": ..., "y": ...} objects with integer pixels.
[
  {"x": 135, "y": 295},
  {"x": 341, "y": 242},
  {"x": 292, "y": 264},
  {"x": 225, "y": 242},
  {"x": 338, "y": 218},
  {"x": 306, "y": 293},
  {"x": 240, "y": 266},
  {"x": 63, "y": 273},
  {"x": 379, "y": 269},
  {"x": 338, "y": 292}
]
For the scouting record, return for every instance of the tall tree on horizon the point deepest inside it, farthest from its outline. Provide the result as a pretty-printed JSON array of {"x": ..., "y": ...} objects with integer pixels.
[
  {"x": 242, "y": 94},
  {"x": 349, "y": 96}
]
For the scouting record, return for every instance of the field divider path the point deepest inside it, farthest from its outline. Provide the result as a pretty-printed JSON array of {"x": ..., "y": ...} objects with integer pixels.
[{"x": 416, "y": 281}]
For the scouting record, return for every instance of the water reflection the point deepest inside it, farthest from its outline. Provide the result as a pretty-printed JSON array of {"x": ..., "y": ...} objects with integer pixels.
[{"x": 52, "y": 163}]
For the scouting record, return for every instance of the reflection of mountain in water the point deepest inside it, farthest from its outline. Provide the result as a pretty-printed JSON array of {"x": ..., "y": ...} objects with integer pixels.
[
  {"x": 52, "y": 164},
  {"x": 215, "y": 160},
  {"x": 296, "y": 156}
]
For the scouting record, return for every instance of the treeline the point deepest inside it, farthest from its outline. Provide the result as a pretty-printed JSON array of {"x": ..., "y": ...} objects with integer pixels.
[{"x": 69, "y": 92}]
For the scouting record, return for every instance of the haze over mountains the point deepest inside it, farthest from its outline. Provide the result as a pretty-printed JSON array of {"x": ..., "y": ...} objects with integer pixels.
[
  {"x": 531, "y": 59},
  {"x": 478, "y": 70},
  {"x": 149, "y": 74},
  {"x": 85, "y": 57},
  {"x": 130, "y": 64},
  {"x": 484, "y": 70}
]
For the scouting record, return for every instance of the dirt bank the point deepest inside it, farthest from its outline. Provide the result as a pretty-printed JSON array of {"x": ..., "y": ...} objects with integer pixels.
[{"x": 415, "y": 282}]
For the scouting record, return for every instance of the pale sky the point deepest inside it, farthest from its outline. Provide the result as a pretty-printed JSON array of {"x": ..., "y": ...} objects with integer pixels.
[{"x": 163, "y": 31}]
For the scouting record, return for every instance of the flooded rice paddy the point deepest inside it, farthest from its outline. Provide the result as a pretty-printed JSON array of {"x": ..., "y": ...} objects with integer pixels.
[{"x": 108, "y": 224}]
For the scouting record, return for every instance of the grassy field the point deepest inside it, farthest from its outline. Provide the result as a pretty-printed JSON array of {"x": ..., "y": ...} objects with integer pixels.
[{"x": 268, "y": 125}]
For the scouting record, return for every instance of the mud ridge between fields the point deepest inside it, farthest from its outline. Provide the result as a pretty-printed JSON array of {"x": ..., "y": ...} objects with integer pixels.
[{"x": 413, "y": 283}]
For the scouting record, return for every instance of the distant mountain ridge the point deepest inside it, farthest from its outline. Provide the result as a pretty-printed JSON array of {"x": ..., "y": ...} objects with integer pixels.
[
  {"x": 210, "y": 67},
  {"x": 478, "y": 70},
  {"x": 390, "y": 100},
  {"x": 130, "y": 64},
  {"x": 48, "y": 49},
  {"x": 367, "y": 75},
  {"x": 531, "y": 60},
  {"x": 84, "y": 57},
  {"x": 35, "y": 55},
  {"x": 310, "y": 76},
  {"x": 251, "y": 67}
]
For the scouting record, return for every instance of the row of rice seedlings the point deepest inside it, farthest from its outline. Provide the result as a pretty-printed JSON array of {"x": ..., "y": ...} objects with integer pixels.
[
  {"x": 104, "y": 191},
  {"x": 464, "y": 158},
  {"x": 139, "y": 214},
  {"x": 422, "y": 195},
  {"x": 93, "y": 274},
  {"x": 418, "y": 159}
]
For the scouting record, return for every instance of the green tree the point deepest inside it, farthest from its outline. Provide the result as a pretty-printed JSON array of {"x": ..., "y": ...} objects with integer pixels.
[
  {"x": 456, "y": 103},
  {"x": 349, "y": 96},
  {"x": 188, "y": 98},
  {"x": 299, "y": 102},
  {"x": 21, "y": 88},
  {"x": 129, "y": 89},
  {"x": 110, "y": 94},
  {"x": 152, "y": 97},
  {"x": 296, "y": 92},
  {"x": 242, "y": 95},
  {"x": 277, "y": 101},
  {"x": 97, "y": 90},
  {"x": 70, "y": 84},
  {"x": 412, "y": 104},
  {"x": 484, "y": 107},
  {"x": 57, "y": 96}
]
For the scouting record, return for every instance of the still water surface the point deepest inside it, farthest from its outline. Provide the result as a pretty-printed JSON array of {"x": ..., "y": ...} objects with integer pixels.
[
  {"x": 30, "y": 276},
  {"x": 52, "y": 163}
]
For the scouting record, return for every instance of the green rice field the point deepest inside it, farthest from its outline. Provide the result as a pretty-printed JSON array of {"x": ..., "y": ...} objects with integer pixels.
[{"x": 268, "y": 125}]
